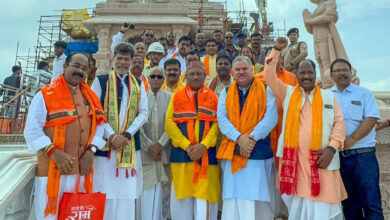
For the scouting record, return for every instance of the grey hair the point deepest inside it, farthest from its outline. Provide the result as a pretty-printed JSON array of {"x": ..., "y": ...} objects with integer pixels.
[
  {"x": 156, "y": 68},
  {"x": 124, "y": 48},
  {"x": 242, "y": 58}
]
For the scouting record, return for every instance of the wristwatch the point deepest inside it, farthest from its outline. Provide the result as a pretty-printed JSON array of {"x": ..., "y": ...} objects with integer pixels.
[
  {"x": 92, "y": 148},
  {"x": 127, "y": 135},
  {"x": 331, "y": 149}
]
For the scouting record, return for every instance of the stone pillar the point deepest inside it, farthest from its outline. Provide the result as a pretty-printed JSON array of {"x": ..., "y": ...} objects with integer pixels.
[{"x": 103, "y": 56}]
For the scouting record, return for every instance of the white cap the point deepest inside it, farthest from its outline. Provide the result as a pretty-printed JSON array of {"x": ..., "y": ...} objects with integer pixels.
[{"x": 156, "y": 47}]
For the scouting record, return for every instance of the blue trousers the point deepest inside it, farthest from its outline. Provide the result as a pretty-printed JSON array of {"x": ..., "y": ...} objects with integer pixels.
[{"x": 360, "y": 175}]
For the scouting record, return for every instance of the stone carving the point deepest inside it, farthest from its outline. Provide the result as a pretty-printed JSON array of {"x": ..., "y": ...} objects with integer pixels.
[{"x": 327, "y": 42}]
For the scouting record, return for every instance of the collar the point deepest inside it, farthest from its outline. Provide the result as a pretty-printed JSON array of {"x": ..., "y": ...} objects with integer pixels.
[
  {"x": 310, "y": 96},
  {"x": 63, "y": 56},
  {"x": 348, "y": 89},
  {"x": 123, "y": 77}
]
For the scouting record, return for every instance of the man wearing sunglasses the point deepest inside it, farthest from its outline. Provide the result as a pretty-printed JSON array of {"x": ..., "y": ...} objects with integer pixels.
[
  {"x": 229, "y": 49},
  {"x": 155, "y": 151}
]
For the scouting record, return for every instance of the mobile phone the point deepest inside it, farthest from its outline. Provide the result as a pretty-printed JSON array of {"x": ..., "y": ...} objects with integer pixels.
[{"x": 132, "y": 26}]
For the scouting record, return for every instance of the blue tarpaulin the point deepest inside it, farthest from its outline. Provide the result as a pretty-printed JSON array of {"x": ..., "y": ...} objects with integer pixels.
[{"x": 82, "y": 47}]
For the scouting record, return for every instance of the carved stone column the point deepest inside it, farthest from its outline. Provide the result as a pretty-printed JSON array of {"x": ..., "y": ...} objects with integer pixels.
[{"x": 103, "y": 56}]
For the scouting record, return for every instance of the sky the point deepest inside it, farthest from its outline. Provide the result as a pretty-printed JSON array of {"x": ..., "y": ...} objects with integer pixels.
[{"x": 364, "y": 27}]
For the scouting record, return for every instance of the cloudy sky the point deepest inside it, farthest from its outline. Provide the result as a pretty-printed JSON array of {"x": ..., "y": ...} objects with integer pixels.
[{"x": 364, "y": 27}]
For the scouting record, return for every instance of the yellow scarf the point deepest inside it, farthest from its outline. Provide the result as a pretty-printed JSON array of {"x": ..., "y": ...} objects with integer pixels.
[{"x": 289, "y": 176}]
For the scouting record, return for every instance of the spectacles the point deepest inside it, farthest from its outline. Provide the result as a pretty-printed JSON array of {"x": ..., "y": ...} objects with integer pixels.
[
  {"x": 346, "y": 70},
  {"x": 228, "y": 37},
  {"x": 78, "y": 66},
  {"x": 156, "y": 76},
  {"x": 148, "y": 35}
]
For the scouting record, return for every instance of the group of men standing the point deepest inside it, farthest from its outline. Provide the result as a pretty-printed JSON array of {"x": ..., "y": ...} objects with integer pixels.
[{"x": 154, "y": 139}]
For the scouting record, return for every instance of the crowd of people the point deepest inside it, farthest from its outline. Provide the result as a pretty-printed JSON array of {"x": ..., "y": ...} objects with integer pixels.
[{"x": 175, "y": 130}]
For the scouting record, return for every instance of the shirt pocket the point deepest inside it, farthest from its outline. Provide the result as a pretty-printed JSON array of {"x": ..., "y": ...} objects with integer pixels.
[{"x": 355, "y": 110}]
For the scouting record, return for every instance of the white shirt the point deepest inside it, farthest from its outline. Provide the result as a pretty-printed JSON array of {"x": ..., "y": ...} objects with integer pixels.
[
  {"x": 58, "y": 66},
  {"x": 143, "y": 111},
  {"x": 36, "y": 139},
  {"x": 105, "y": 178},
  {"x": 182, "y": 61},
  {"x": 116, "y": 39}
]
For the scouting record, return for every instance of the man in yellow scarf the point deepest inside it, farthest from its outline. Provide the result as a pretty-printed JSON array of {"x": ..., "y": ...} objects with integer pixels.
[
  {"x": 173, "y": 82},
  {"x": 312, "y": 132},
  {"x": 191, "y": 123},
  {"x": 118, "y": 167},
  {"x": 247, "y": 113}
]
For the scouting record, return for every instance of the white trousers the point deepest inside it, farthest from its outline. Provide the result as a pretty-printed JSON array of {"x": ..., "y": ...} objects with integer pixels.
[
  {"x": 119, "y": 209},
  {"x": 192, "y": 208},
  {"x": 67, "y": 184},
  {"x": 305, "y": 209},
  {"x": 238, "y": 209},
  {"x": 151, "y": 203}
]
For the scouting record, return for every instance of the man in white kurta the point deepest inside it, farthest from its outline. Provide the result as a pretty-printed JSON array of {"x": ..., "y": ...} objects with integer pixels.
[
  {"x": 155, "y": 151},
  {"x": 59, "y": 59},
  {"x": 39, "y": 136},
  {"x": 121, "y": 189}
]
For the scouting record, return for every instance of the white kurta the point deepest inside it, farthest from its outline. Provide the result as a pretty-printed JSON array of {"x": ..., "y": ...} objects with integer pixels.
[
  {"x": 36, "y": 139},
  {"x": 58, "y": 66},
  {"x": 105, "y": 179}
]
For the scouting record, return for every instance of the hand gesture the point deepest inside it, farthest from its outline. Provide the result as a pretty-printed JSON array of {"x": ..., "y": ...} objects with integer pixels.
[
  {"x": 86, "y": 162},
  {"x": 124, "y": 28},
  {"x": 63, "y": 161},
  {"x": 196, "y": 152},
  {"x": 246, "y": 143},
  {"x": 281, "y": 43},
  {"x": 325, "y": 156},
  {"x": 154, "y": 152},
  {"x": 118, "y": 142}
]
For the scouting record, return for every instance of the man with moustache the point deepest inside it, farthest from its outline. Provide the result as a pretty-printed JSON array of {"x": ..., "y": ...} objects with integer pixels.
[
  {"x": 173, "y": 81},
  {"x": 359, "y": 165},
  {"x": 59, "y": 59},
  {"x": 218, "y": 37},
  {"x": 65, "y": 126},
  {"x": 140, "y": 50},
  {"x": 136, "y": 69},
  {"x": 191, "y": 123},
  {"x": 223, "y": 78},
  {"x": 313, "y": 131},
  {"x": 200, "y": 43},
  {"x": 209, "y": 60},
  {"x": 171, "y": 43},
  {"x": 181, "y": 53},
  {"x": 241, "y": 41},
  {"x": 190, "y": 57},
  {"x": 229, "y": 48},
  {"x": 118, "y": 167},
  {"x": 246, "y": 115},
  {"x": 155, "y": 151},
  {"x": 155, "y": 54},
  {"x": 295, "y": 51},
  {"x": 256, "y": 40}
]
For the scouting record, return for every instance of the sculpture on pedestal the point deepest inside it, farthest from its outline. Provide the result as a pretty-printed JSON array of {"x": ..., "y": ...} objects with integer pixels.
[{"x": 327, "y": 42}]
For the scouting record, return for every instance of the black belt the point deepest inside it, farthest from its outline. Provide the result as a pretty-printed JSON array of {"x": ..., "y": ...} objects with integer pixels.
[{"x": 351, "y": 152}]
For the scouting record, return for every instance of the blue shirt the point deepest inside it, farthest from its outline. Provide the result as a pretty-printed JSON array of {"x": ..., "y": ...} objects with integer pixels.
[{"x": 357, "y": 103}]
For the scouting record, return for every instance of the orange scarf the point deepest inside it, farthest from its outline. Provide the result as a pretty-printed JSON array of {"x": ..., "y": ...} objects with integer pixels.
[
  {"x": 186, "y": 111},
  {"x": 251, "y": 114},
  {"x": 207, "y": 64},
  {"x": 288, "y": 175},
  {"x": 61, "y": 109},
  {"x": 146, "y": 84}
]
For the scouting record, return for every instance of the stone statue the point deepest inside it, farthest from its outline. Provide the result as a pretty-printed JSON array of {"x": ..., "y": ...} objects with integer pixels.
[{"x": 327, "y": 42}]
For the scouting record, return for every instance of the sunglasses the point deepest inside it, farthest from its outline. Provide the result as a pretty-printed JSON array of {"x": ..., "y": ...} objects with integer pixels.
[
  {"x": 228, "y": 37},
  {"x": 148, "y": 35},
  {"x": 156, "y": 76}
]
